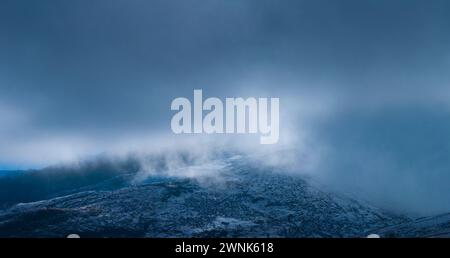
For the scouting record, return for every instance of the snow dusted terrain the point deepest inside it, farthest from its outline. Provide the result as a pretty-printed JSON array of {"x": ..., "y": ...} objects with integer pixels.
[{"x": 239, "y": 201}]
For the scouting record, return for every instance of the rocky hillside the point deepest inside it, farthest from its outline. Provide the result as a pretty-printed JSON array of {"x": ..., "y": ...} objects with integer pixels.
[{"x": 239, "y": 201}]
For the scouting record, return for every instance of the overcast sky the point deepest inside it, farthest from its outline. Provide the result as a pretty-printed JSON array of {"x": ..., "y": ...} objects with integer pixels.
[{"x": 365, "y": 83}]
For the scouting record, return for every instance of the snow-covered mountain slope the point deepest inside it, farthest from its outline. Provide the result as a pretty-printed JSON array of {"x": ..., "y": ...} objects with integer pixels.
[{"x": 240, "y": 201}]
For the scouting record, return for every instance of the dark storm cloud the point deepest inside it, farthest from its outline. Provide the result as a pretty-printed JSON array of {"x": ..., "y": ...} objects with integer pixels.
[{"x": 366, "y": 80}]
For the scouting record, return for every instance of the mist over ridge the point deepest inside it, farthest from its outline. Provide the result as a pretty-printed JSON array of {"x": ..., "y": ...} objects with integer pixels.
[{"x": 86, "y": 87}]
